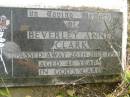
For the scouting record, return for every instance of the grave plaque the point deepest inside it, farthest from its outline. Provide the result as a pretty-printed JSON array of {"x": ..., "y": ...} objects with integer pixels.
[{"x": 56, "y": 46}]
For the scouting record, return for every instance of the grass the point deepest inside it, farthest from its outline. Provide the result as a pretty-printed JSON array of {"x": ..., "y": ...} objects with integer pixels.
[
  {"x": 4, "y": 92},
  {"x": 81, "y": 90}
]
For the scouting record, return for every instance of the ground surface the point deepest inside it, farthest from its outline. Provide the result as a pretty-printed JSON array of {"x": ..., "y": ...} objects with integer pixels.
[{"x": 91, "y": 90}]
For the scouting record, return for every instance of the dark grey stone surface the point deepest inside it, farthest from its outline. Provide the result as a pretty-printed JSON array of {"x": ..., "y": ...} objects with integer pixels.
[{"x": 54, "y": 46}]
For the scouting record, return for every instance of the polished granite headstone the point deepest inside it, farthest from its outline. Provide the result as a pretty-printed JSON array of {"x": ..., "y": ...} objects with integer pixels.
[{"x": 58, "y": 46}]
